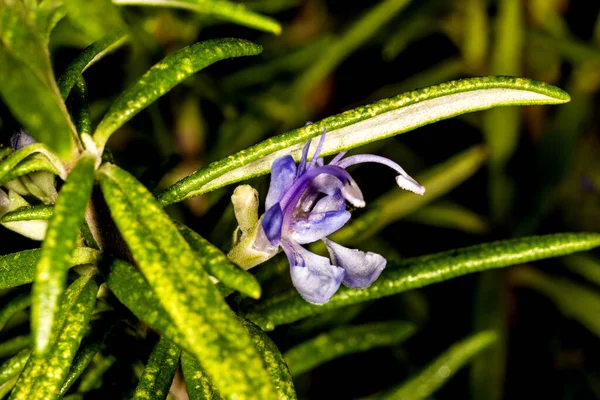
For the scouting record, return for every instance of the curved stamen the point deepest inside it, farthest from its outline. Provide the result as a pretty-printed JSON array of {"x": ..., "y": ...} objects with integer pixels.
[
  {"x": 315, "y": 156},
  {"x": 403, "y": 180},
  {"x": 337, "y": 158}
]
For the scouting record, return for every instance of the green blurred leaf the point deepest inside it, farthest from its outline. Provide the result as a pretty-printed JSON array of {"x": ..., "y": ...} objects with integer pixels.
[
  {"x": 584, "y": 265},
  {"x": 186, "y": 292},
  {"x": 575, "y": 301},
  {"x": 97, "y": 18},
  {"x": 14, "y": 345},
  {"x": 16, "y": 304},
  {"x": 197, "y": 382},
  {"x": 27, "y": 82},
  {"x": 430, "y": 379},
  {"x": 475, "y": 35},
  {"x": 19, "y": 268},
  {"x": 39, "y": 212},
  {"x": 422, "y": 271},
  {"x": 450, "y": 215},
  {"x": 398, "y": 203},
  {"x": 12, "y": 367},
  {"x": 58, "y": 245},
  {"x": 44, "y": 374},
  {"x": 218, "y": 265},
  {"x": 367, "y": 124},
  {"x": 93, "y": 376},
  {"x": 222, "y": 9},
  {"x": 166, "y": 74},
  {"x": 346, "y": 340},
  {"x": 159, "y": 372},
  {"x": 88, "y": 57}
]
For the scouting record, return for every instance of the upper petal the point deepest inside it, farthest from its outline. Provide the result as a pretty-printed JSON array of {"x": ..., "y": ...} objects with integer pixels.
[
  {"x": 362, "y": 269},
  {"x": 317, "y": 225},
  {"x": 283, "y": 174},
  {"x": 271, "y": 223},
  {"x": 312, "y": 275}
]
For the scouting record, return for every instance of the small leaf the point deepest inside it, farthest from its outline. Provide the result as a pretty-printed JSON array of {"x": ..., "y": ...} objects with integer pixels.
[
  {"x": 165, "y": 75},
  {"x": 59, "y": 244},
  {"x": 159, "y": 372},
  {"x": 10, "y": 163},
  {"x": 12, "y": 367},
  {"x": 19, "y": 268},
  {"x": 422, "y": 271},
  {"x": 222, "y": 9},
  {"x": 186, "y": 292},
  {"x": 344, "y": 341},
  {"x": 44, "y": 374},
  {"x": 217, "y": 264},
  {"x": 398, "y": 203},
  {"x": 575, "y": 301},
  {"x": 197, "y": 382},
  {"x": 14, "y": 345},
  {"x": 97, "y": 18},
  {"x": 366, "y": 124},
  {"x": 39, "y": 212},
  {"x": 450, "y": 215},
  {"x": 94, "y": 52},
  {"x": 432, "y": 377},
  {"x": 585, "y": 265},
  {"x": 16, "y": 304},
  {"x": 33, "y": 163}
]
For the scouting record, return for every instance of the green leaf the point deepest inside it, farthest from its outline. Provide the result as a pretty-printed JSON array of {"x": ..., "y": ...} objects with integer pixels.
[
  {"x": 222, "y": 9},
  {"x": 450, "y": 215},
  {"x": 584, "y": 265},
  {"x": 44, "y": 374},
  {"x": 39, "y": 212},
  {"x": 274, "y": 361},
  {"x": 165, "y": 75},
  {"x": 12, "y": 367},
  {"x": 197, "y": 382},
  {"x": 27, "y": 83},
  {"x": 16, "y": 304},
  {"x": 430, "y": 379},
  {"x": 186, "y": 292},
  {"x": 94, "y": 375},
  {"x": 346, "y": 340},
  {"x": 398, "y": 203},
  {"x": 14, "y": 345},
  {"x": 33, "y": 163},
  {"x": 217, "y": 264},
  {"x": 12, "y": 162},
  {"x": 417, "y": 272},
  {"x": 59, "y": 244},
  {"x": 367, "y": 124},
  {"x": 159, "y": 372},
  {"x": 88, "y": 57},
  {"x": 97, "y": 18},
  {"x": 19, "y": 268},
  {"x": 575, "y": 301}
]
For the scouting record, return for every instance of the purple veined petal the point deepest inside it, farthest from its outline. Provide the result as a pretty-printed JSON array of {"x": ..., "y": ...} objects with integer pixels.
[
  {"x": 21, "y": 139},
  {"x": 271, "y": 223},
  {"x": 403, "y": 180},
  {"x": 362, "y": 269},
  {"x": 316, "y": 226},
  {"x": 283, "y": 174},
  {"x": 322, "y": 184},
  {"x": 315, "y": 156},
  {"x": 313, "y": 276}
]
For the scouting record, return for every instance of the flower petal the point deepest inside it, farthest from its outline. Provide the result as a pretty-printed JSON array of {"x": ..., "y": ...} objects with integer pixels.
[
  {"x": 271, "y": 223},
  {"x": 317, "y": 225},
  {"x": 21, "y": 139},
  {"x": 361, "y": 268},
  {"x": 283, "y": 174},
  {"x": 312, "y": 275},
  {"x": 334, "y": 202}
]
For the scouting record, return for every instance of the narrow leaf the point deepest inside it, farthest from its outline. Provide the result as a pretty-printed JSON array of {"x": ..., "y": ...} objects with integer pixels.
[
  {"x": 452, "y": 216},
  {"x": 430, "y": 379},
  {"x": 197, "y": 382},
  {"x": 33, "y": 163},
  {"x": 19, "y": 268},
  {"x": 422, "y": 271},
  {"x": 344, "y": 341},
  {"x": 398, "y": 203},
  {"x": 217, "y": 264},
  {"x": 370, "y": 123},
  {"x": 97, "y": 18},
  {"x": 187, "y": 294},
  {"x": 222, "y": 9},
  {"x": 39, "y": 212},
  {"x": 159, "y": 372},
  {"x": 87, "y": 58},
  {"x": 59, "y": 244},
  {"x": 12, "y": 367},
  {"x": 166, "y": 74},
  {"x": 575, "y": 301},
  {"x": 11, "y": 162},
  {"x": 16, "y": 304},
  {"x": 585, "y": 265},
  {"x": 14, "y": 345},
  {"x": 44, "y": 374}
]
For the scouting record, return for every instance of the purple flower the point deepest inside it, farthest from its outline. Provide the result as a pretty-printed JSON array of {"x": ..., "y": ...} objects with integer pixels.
[
  {"x": 306, "y": 203},
  {"x": 21, "y": 139}
]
